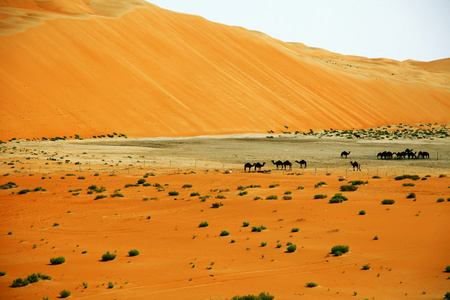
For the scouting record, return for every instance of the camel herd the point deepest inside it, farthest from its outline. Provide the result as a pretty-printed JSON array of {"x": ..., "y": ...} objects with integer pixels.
[
  {"x": 284, "y": 165},
  {"x": 403, "y": 154}
]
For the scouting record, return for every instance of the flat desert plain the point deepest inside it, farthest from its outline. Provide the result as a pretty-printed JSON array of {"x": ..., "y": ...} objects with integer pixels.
[{"x": 157, "y": 192}]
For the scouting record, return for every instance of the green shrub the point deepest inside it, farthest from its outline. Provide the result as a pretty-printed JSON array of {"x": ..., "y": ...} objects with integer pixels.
[
  {"x": 258, "y": 229},
  {"x": 224, "y": 233},
  {"x": 195, "y": 194},
  {"x": 311, "y": 284},
  {"x": 447, "y": 295},
  {"x": 100, "y": 197},
  {"x": 81, "y": 177},
  {"x": 261, "y": 296},
  {"x": 287, "y": 198},
  {"x": 2, "y": 273},
  {"x": 221, "y": 197},
  {"x": 245, "y": 224},
  {"x": 440, "y": 200},
  {"x": 173, "y": 193},
  {"x": 442, "y": 175},
  {"x": 243, "y": 193},
  {"x": 339, "y": 250},
  {"x": 409, "y": 184},
  {"x": 272, "y": 197},
  {"x": 57, "y": 260},
  {"x": 257, "y": 198},
  {"x": 64, "y": 294},
  {"x": 338, "y": 198},
  {"x": 411, "y": 195},
  {"x": 362, "y": 212},
  {"x": 108, "y": 256},
  {"x": 320, "y": 184},
  {"x": 387, "y": 201},
  {"x": 413, "y": 177},
  {"x": 291, "y": 248},
  {"x": 19, "y": 282},
  {"x": 203, "y": 224},
  {"x": 92, "y": 187},
  {"x": 358, "y": 182},
  {"x": 263, "y": 244},
  {"x": 187, "y": 186},
  {"x": 24, "y": 191},
  {"x": 278, "y": 245},
  {"x": 376, "y": 177},
  {"x": 116, "y": 194},
  {"x": 447, "y": 269},
  {"x": 273, "y": 186},
  {"x": 320, "y": 196},
  {"x": 287, "y": 192},
  {"x": 348, "y": 188},
  {"x": 133, "y": 252},
  {"x": 295, "y": 229},
  {"x": 216, "y": 205},
  {"x": 366, "y": 267}
]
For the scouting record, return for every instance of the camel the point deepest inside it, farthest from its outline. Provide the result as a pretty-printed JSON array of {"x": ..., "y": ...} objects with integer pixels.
[
  {"x": 302, "y": 162},
  {"x": 345, "y": 153},
  {"x": 423, "y": 154},
  {"x": 287, "y": 164},
  {"x": 278, "y": 163},
  {"x": 249, "y": 166},
  {"x": 356, "y": 165},
  {"x": 259, "y": 166}
]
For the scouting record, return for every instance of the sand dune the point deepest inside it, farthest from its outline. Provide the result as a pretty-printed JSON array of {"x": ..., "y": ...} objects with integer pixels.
[{"x": 97, "y": 67}]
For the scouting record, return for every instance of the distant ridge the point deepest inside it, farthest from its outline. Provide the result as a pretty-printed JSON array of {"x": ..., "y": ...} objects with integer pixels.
[{"x": 96, "y": 67}]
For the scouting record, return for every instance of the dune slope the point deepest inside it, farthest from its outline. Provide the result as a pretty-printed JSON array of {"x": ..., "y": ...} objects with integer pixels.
[{"x": 97, "y": 67}]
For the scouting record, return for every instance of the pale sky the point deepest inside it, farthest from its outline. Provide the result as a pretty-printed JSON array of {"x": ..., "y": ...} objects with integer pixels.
[{"x": 395, "y": 29}]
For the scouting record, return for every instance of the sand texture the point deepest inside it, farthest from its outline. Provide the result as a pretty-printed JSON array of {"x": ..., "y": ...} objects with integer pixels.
[
  {"x": 404, "y": 244},
  {"x": 97, "y": 67}
]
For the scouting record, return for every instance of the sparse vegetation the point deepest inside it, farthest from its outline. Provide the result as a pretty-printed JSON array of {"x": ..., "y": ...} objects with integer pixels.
[
  {"x": 261, "y": 296},
  {"x": 64, "y": 294},
  {"x": 320, "y": 196},
  {"x": 411, "y": 195},
  {"x": 291, "y": 248},
  {"x": 348, "y": 188},
  {"x": 108, "y": 256},
  {"x": 440, "y": 200},
  {"x": 245, "y": 224},
  {"x": 133, "y": 252},
  {"x": 387, "y": 201},
  {"x": 338, "y": 198},
  {"x": 272, "y": 197},
  {"x": 224, "y": 233},
  {"x": 295, "y": 229},
  {"x": 203, "y": 224},
  {"x": 311, "y": 284},
  {"x": 362, "y": 212},
  {"x": 365, "y": 267},
  {"x": 57, "y": 260},
  {"x": 338, "y": 250},
  {"x": 216, "y": 205},
  {"x": 173, "y": 193}
]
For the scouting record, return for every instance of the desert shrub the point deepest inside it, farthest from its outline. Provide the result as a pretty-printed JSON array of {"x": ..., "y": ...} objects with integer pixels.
[
  {"x": 57, "y": 260},
  {"x": 291, "y": 248},
  {"x": 278, "y": 245},
  {"x": 409, "y": 184},
  {"x": 300, "y": 188},
  {"x": 287, "y": 198},
  {"x": 55, "y": 224},
  {"x": 259, "y": 228},
  {"x": 141, "y": 181},
  {"x": 442, "y": 175},
  {"x": 203, "y": 224},
  {"x": 108, "y": 256},
  {"x": 311, "y": 284},
  {"x": 339, "y": 249},
  {"x": 287, "y": 192},
  {"x": 320, "y": 184},
  {"x": 295, "y": 229},
  {"x": 440, "y": 200},
  {"x": 273, "y": 186},
  {"x": 338, "y": 198},
  {"x": 447, "y": 269},
  {"x": 411, "y": 195},
  {"x": 243, "y": 193},
  {"x": 358, "y": 182},
  {"x": 187, "y": 186},
  {"x": 447, "y": 295},
  {"x": 20, "y": 282},
  {"x": 195, "y": 194},
  {"x": 387, "y": 201},
  {"x": 362, "y": 212},
  {"x": 64, "y": 294},
  {"x": 224, "y": 233},
  {"x": 376, "y": 177},
  {"x": 24, "y": 191},
  {"x": 216, "y": 205},
  {"x": 423, "y": 178},
  {"x": 261, "y": 296},
  {"x": 263, "y": 244},
  {"x": 133, "y": 252},
  {"x": 81, "y": 177},
  {"x": 272, "y": 197},
  {"x": 92, "y": 187},
  {"x": 173, "y": 193},
  {"x": 100, "y": 197},
  {"x": 2, "y": 273},
  {"x": 413, "y": 177},
  {"x": 221, "y": 197},
  {"x": 110, "y": 285},
  {"x": 348, "y": 188},
  {"x": 365, "y": 267},
  {"x": 116, "y": 194},
  {"x": 245, "y": 224},
  {"x": 320, "y": 196}
]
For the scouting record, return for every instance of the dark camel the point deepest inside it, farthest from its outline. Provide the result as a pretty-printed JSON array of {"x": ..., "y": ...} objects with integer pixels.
[
  {"x": 345, "y": 153},
  {"x": 287, "y": 164},
  {"x": 249, "y": 166},
  {"x": 259, "y": 166},
  {"x": 302, "y": 162},
  {"x": 423, "y": 154},
  {"x": 278, "y": 163},
  {"x": 356, "y": 165}
]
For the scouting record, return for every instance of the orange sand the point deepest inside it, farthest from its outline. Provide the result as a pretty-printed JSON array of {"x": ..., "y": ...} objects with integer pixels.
[
  {"x": 97, "y": 67},
  {"x": 179, "y": 260}
]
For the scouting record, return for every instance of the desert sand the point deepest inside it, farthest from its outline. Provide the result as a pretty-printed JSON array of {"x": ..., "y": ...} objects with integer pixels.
[
  {"x": 97, "y": 67},
  {"x": 180, "y": 260}
]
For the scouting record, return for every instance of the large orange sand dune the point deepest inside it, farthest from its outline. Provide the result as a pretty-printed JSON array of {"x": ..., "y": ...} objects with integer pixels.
[{"x": 96, "y": 67}]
